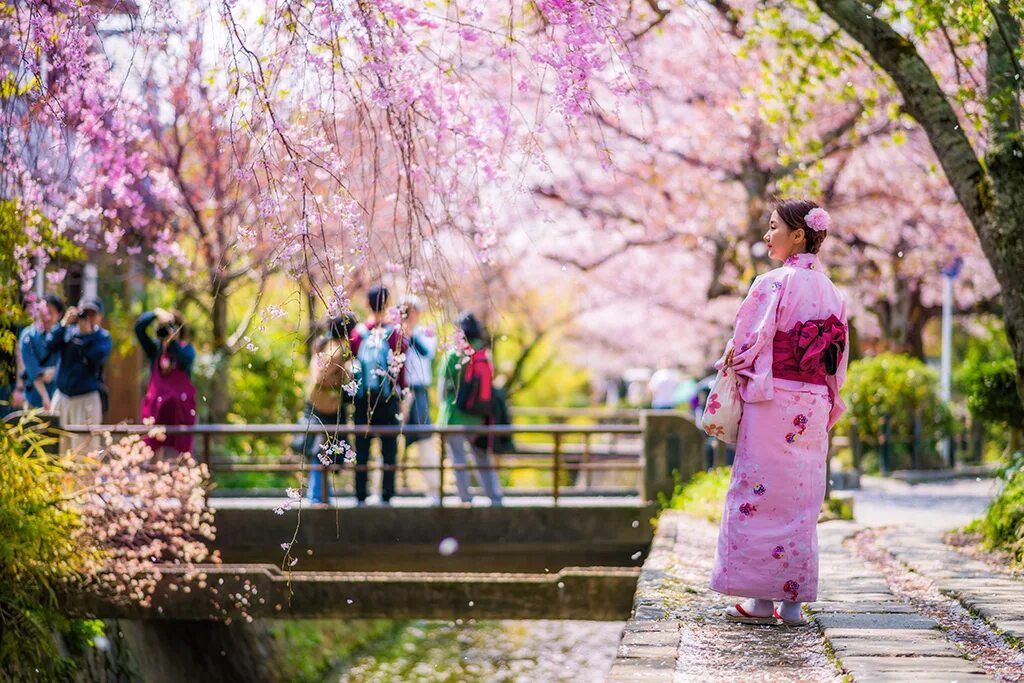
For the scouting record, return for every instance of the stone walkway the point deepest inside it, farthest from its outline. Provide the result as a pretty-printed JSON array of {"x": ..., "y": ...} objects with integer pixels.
[
  {"x": 996, "y": 596},
  {"x": 677, "y": 633},
  {"x": 870, "y": 627},
  {"x": 875, "y": 635},
  {"x": 937, "y": 506}
]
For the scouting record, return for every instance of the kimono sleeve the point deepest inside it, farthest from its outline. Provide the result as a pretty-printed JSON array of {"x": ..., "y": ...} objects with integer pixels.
[
  {"x": 835, "y": 382},
  {"x": 752, "y": 337}
]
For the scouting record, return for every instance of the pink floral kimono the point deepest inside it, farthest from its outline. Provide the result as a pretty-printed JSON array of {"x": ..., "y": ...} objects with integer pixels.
[{"x": 790, "y": 356}]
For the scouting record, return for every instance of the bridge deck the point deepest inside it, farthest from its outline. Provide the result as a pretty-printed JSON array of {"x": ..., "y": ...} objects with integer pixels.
[{"x": 400, "y": 501}]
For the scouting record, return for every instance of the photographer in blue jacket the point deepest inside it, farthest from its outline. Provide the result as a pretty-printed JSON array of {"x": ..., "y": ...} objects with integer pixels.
[{"x": 83, "y": 347}]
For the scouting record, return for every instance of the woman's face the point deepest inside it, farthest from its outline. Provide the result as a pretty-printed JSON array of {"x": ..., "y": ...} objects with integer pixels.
[{"x": 783, "y": 242}]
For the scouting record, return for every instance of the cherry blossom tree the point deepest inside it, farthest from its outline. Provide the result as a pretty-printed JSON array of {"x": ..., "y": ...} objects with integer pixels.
[
  {"x": 694, "y": 171},
  {"x": 956, "y": 68}
]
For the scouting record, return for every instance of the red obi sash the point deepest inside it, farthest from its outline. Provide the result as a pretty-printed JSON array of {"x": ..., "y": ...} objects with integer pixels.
[{"x": 803, "y": 353}]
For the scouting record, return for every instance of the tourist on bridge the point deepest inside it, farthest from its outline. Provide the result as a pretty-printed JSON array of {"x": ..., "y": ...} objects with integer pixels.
[
  {"x": 789, "y": 353},
  {"x": 170, "y": 395},
  {"x": 465, "y": 395},
  {"x": 664, "y": 387},
  {"x": 330, "y": 369},
  {"x": 420, "y": 375},
  {"x": 39, "y": 366},
  {"x": 379, "y": 347},
  {"x": 82, "y": 347}
]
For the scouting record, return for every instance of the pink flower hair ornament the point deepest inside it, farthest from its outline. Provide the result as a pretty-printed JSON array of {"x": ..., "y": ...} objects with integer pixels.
[{"x": 817, "y": 219}]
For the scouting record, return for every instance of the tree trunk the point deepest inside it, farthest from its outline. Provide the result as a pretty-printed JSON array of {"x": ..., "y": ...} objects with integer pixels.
[
  {"x": 1003, "y": 242},
  {"x": 219, "y": 398}
]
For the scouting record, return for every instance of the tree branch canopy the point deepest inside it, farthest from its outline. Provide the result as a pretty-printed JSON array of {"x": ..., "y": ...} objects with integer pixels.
[{"x": 923, "y": 99}]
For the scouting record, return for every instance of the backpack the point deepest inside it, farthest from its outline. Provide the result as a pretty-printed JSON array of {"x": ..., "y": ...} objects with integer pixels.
[
  {"x": 476, "y": 392},
  {"x": 498, "y": 443},
  {"x": 373, "y": 354}
]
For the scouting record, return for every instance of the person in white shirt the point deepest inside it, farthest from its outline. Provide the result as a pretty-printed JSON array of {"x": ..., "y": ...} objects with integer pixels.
[
  {"x": 419, "y": 373},
  {"x": 663, "y": 386}
]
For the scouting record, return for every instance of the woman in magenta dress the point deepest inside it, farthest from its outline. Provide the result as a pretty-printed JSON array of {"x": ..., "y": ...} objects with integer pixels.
[
  {"x": 170, "y": 395},
  {"x": 790, "y": 355}
]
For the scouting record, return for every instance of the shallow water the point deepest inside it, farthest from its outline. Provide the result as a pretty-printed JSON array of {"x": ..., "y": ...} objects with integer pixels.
[{"x": 491, "y": 651}]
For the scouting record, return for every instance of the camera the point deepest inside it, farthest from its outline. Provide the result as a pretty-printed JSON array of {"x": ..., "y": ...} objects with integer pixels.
[{"x": 165, "y": 331}]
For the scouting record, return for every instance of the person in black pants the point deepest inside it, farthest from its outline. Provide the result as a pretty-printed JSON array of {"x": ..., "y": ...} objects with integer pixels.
[{"x": 375, "y": 345}]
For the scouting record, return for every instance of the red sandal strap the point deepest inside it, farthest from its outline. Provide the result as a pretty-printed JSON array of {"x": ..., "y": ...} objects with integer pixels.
[
  {"x": 743, "y": 612},
  {"x": 775, "y": 612}
]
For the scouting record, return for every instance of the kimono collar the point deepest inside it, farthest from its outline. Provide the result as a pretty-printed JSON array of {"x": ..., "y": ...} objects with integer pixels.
[{"x": 808, "y": 261}]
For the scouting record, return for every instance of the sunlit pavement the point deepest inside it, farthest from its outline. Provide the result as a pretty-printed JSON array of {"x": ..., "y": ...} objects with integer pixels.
[{"x": 935, "y": 506}]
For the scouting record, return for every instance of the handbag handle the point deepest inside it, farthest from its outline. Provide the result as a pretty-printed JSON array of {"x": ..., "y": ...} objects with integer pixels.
[{"x": 728, "y": 359}]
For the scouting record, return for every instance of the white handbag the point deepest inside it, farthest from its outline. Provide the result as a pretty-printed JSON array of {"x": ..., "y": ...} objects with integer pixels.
[{"x": 724, "y": 407}]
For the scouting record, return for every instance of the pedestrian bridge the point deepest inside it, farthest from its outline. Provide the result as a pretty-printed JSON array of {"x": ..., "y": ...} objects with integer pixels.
[{"x": 567, "y": 544}]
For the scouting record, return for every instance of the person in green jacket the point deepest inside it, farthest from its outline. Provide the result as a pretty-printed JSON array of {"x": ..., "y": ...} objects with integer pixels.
[{"x": 452, "y": 376}]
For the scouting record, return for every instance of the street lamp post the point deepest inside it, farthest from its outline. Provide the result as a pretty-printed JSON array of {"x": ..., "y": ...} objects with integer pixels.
[{"x": 949, "y": 274}]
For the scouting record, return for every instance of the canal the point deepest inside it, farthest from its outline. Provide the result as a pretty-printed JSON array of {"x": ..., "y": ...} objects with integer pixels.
[{"x": 420, "y": 651}]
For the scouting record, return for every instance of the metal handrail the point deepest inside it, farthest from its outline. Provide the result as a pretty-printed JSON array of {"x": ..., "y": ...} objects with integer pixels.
[
  {"x": 207, "y": 431},
  {"x": 374, "y": 430}
]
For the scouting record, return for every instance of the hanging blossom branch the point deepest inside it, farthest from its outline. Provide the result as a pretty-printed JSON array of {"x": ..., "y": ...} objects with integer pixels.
[
  {"x": 71, "y": 150},
  {"x": 391, "y": 126}
]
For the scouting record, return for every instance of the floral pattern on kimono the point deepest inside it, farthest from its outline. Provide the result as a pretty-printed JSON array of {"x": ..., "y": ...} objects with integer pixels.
[{"x": 768, "y": 544}]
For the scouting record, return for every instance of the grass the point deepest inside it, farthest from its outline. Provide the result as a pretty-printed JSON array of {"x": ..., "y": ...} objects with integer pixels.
[{"x": 703, "y": 495}]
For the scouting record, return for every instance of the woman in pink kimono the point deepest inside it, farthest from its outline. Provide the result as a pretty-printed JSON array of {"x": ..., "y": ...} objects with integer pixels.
[{"x": 789, "y": 354}]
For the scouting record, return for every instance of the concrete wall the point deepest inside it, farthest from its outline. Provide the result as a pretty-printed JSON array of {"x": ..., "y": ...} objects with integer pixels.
[
  {"x": 261, "y": 592},
  {"x": 505, "y": 539},
  {"x": 673, "y": 447}
]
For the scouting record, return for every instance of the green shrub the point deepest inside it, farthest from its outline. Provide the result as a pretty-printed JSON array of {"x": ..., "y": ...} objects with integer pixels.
[
  {"x": 1002, "y": 527},
  {"x": 40, "y": 548},
  {"x": 991, "y": 388},
  {"x": 901, "y": 387},
  {"x": 704, "y": 494},
  {"x": 266, "y": 387}
]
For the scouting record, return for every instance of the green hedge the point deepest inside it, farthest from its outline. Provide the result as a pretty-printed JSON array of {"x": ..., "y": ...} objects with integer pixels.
[
  {"x": 901, "y": 387},
  {"x": 1002, "y": 527},
  {"x": 991, "y": 388}
]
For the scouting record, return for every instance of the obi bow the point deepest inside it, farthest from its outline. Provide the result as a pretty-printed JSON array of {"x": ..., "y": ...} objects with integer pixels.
[{"x": 819, "y": 342}]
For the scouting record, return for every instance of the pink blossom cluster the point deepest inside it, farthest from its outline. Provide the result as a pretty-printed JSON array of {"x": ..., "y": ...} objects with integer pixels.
[
  {"x": 74, "y": 157},
  {"x": 583, "y": 39},
  {"x": 144, "y": 513}
]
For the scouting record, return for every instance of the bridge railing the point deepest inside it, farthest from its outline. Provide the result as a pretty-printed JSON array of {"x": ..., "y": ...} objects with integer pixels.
[{"x": 572, "y": 451}]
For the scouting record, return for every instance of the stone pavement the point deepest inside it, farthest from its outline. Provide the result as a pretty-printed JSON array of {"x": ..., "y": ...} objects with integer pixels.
[
  {"x": 937, "y": 506},
  {"x": 874, "y": 635},
  {"x": 996, "y": 596},
  {"x": 866, "y": 630},
  {"x": 677, "y": 632}
]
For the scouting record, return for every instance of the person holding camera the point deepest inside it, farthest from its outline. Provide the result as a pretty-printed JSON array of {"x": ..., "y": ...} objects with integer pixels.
[
  {"x": 83, "y": 347},
  {"x": 170, "y": 395},
  {"x": 38, "y": 368}
]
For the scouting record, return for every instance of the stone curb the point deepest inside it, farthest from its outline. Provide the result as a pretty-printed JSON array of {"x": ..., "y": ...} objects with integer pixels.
[{"x": 650, "y": 640}]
